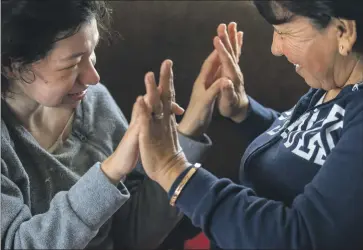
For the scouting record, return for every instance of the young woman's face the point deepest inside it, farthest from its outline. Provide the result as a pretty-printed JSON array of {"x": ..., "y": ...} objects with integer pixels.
[{"x": 63, "y": 76}]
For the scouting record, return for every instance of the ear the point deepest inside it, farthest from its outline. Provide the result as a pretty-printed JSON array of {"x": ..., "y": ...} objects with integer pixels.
[
  {"x": 12, "y": 71},
  {"x": 347, "y": 36},
  {"x": 7, "y": 72}
]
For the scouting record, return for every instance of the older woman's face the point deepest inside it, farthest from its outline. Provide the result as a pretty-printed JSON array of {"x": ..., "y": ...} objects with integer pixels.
[
  {"x": 315, "y": 53},
  {"x": 64, "y": 75}
]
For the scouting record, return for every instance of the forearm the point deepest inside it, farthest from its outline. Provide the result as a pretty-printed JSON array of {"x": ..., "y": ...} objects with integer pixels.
[
  {"x": 234, "y": 217},
  {"x": 258, "y": 119},
  {"x": 195, "y": 149},
  {"x": 71, "y": 222}
]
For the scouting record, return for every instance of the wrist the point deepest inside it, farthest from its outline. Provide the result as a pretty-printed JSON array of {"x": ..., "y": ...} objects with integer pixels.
[
  {"x": 194, "y": 136},
  {"x": 242, "y": 114},
  {"x": 189, "y": 130},
  {"x": 168, "y": 177},
  {"x": 110, "y": 170}
]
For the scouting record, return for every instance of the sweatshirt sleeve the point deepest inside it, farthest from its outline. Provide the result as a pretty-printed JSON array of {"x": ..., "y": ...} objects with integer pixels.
[
  {"x": 73, "y": 219},
  {"x": 327, "y": 215},
  {"x": 194, "y": 150},
  {"x": 259, "y": 119}
]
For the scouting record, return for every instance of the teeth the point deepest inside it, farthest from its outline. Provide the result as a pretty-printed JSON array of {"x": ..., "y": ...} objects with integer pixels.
[
  {"x": 296, "y": 65},
  {"x": 75, "y": 94}
]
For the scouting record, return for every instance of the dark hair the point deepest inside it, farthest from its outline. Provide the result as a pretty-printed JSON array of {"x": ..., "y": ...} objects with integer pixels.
[
  {"x": 320, "y": 12},
  {"x": 29, "y": 29}
]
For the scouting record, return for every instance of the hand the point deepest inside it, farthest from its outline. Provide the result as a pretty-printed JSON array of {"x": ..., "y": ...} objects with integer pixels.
[
  {"x": 232, "y": 101},
  {"x": 206, "y": 88},
  {"x": 161, "y": 154},
  {"x": 126, "y": 155},
  {"x": 211, "y": 81}
]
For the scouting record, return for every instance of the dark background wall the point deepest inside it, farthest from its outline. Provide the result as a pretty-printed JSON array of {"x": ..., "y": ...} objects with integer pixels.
[{"x": 183, "y": 31}]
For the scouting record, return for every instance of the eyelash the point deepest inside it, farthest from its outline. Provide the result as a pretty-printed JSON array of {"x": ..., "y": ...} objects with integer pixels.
[
  {"x": 281, "y": 35},
  {"x": 72, "y": 67},
  {"x": 75, "y": 65}
]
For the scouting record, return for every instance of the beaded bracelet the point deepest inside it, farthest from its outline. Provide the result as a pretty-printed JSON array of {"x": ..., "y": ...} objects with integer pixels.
[{"x": 184, "y": 181}]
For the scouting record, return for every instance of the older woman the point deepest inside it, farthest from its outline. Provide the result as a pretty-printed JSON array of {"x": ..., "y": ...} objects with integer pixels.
[
  {"x": 57, "y": 126},
  {"x": 301, "y": 180}
]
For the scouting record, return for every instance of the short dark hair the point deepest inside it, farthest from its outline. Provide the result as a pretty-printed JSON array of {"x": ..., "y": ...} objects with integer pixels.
[
  {"x": 29, "y": 29},
  {"x": 320, "y": 12}
]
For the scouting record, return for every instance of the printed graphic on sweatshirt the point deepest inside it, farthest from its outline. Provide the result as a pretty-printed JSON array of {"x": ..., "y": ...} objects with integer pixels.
[{"x": 313, "y": 135}]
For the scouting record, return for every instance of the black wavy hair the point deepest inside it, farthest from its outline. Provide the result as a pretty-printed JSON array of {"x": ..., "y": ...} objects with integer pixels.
[
  {"x": 30, "y": 28},
  {"x": 320, "y": 12}
]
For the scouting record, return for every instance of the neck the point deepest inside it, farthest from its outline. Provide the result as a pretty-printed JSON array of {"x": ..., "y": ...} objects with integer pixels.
[
  {"x": 355, "y": 76},
  {"x": 24, "y": 108},
  {"x": 28, "y": 111}
]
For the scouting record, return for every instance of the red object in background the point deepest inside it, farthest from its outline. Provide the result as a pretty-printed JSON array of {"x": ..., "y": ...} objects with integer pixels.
[{"x": 198, "y": 242}]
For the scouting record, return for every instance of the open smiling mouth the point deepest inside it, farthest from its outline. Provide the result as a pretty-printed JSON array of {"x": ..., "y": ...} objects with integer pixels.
[
  {"x": 78, "y": 96},
  {"x": 78, "y": 93}
]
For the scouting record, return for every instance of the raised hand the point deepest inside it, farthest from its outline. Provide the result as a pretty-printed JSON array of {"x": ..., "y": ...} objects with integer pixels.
[
  {"x": 126, "y": 155},
  {"x": 232, "y": 100},
  {"x": 161, "y": 154},
  {"x": 206, "y": 88}
]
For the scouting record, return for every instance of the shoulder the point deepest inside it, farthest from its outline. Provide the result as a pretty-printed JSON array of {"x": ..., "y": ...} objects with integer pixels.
[
  {"x": 352, "y": 105},
  {"x": 6, "y": 141}
]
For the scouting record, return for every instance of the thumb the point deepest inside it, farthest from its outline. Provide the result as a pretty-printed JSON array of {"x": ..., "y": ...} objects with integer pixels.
[
  {"x": 144, "y": 116},
  {"x": 209, "y": 68},
  {"x": 135, "y": 113},
  {"x": 227, "y": 91},
  {"x": 216, "y": 87},
  {"x": 176, "y": 109}
]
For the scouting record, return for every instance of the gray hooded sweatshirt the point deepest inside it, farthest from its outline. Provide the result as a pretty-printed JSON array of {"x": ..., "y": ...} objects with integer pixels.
[{"x": 62, "y": 200}]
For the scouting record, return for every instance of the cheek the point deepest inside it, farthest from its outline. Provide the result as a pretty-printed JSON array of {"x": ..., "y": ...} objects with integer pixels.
[
  {"x": 293, "y": 51},
  {"x": 318, "y": 59},
  {"x": 50, "y": 94}
]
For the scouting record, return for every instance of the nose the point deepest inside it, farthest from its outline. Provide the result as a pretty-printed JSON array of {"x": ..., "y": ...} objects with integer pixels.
[
  {"x": 276, "y": 46},
  {"x": 89, "y": 74}
]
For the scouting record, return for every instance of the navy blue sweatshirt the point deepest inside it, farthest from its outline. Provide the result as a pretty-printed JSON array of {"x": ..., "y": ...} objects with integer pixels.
[{"x": 301, "y": 180}]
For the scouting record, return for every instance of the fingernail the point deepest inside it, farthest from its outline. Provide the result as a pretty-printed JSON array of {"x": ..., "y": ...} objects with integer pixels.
[{"x": 150, "y": 77}]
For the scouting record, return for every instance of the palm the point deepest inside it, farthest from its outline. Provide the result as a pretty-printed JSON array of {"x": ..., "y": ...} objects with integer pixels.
[
  {"x": 228, "y": 107},
  {"x": 232, "y": 100}
]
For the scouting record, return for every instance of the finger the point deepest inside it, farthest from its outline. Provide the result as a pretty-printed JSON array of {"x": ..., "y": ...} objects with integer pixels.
[
  {"x": 218, "y": 73},
  {"x": 207, "y": 72},
  {"x": 215, "y": 88},
  {"x": 227, "y": 61},
  {"x": 152, "y": 96},
  {"x": 167, "y": 86},
  {"x": 232, "y": 33},
  {"x": 144, "y": 115},
  {"x": 223, "y": 35},
  {"x": 135, "y": 113},
  {"x": 176, "y": 109},
  {"x": 240, "y": 44},
  {"x": 174, "y": 132}
]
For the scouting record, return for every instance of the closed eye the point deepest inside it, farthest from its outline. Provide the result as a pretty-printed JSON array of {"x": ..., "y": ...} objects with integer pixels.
[{"x": 70, "y": 67}]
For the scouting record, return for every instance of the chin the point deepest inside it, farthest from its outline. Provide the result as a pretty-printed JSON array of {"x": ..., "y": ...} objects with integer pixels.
[{"x": 313, "y": 82}]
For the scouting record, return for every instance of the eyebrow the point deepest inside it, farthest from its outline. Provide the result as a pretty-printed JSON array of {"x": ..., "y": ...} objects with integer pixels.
[{"x": 75, "y": 55}]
